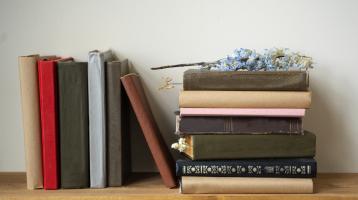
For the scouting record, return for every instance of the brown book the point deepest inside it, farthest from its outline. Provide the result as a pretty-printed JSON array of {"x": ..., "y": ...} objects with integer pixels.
[
  {"x": 157, "y": 146},
  {"x": 203, "y": 79},
  {"x": 240, "y": 125},
  {"x": 248, "y": 185}
]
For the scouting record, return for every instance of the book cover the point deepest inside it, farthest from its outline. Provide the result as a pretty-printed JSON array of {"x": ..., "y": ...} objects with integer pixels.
[
  {"x": 31, "y": 119},
  {"x": 157, "y": 146},
  {"x": 97, "y": 117},
  {"x": 244, "y": 99},
  {"x": 203, "y": 79},
  {"x": 212, "y": 147},
  {"x": 255, "y": 112},
  {"x": 244, "y": 185},
  {"x": 117, "y": 111},
  {"x": 240, "y": 125},
  {"x": 73, "y": 124},
  {"x": 47, "y": 74},
  {"x": 282, "y": 168}
]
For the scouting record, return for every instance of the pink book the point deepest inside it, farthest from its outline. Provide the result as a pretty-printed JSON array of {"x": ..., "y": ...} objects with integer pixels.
[{"x": 266, "y": 112}]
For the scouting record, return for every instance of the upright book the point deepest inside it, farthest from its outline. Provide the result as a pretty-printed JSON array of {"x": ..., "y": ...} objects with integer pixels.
[
  {"x": 157, "y": 146},
  {"x": 117, "y": 123},
  {"x": 203, "y": 79},
  {"x": 31, "y": 119},
  {"x": 47, "y": 74},
  {"x": 73, "y": 124},
  {"x": 97, "y": 117}
]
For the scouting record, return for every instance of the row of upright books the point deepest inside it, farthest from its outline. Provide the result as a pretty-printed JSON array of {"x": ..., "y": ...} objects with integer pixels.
[
  {"x": 241, "y": 132},
  {"x": 74, "y": 121}
]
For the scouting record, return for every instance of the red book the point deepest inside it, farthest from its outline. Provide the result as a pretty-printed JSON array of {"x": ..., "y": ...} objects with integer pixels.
[
  {"x": 159, "y": 150},
  {"x": 47, "y": 74}
]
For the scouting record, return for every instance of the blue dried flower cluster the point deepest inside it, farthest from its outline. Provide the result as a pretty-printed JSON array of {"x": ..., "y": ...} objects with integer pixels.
[{"x": 274, "y": 59}]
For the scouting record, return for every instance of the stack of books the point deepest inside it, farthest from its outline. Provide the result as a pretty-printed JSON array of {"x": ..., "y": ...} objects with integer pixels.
[{"x": 241, "y": 132}]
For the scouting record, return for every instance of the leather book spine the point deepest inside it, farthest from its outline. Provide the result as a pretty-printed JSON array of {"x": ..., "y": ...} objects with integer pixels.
[
  {"x": 73, "y": 124},
  {"x": 118, "y": 158},
  {"x": 288, "y": 168},
  {"x": 157, "y": 146},
  {"x": 240, "y": 125},
  {"x": 245, "y": 185},
  {"x": 28, "y": 76},
  {"x": 202, "y": 79},
  {"x": 97, "y": 117},
  {"x": 252, "y": 146}
]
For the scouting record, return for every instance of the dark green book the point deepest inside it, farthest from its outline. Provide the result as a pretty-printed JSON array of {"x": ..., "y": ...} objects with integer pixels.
[
  {"x": 212, "y": 147},
  {"x": 203, "y": 79},
  {"x": 73, "y": 124}
]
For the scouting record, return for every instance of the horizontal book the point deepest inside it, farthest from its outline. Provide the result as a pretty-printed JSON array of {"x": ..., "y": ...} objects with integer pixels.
[
  {"x": 239, "y": 185},
  {"x": 214, "y": 147},
  {"x": 240, "y": 125},
  {"x": 203, "y": 79},
  {"x": 284, "y": 168},
  {"x": 263, "y": 112},
  {"x": 244, "y": 99}
]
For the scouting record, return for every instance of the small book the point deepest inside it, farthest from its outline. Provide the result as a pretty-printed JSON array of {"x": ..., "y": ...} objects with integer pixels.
[
  {"x": 47, "y": 74},
  {"x": 245, "y": 185},
  {"x": 73, "y": 124},
  {"x": 203, "y": 79},
  {"x": 31, "y": 119},
  {"x": 157, "y": 146},
  {"x": 281, "y": 168},
  {"x": 117, "y": 123},
  {"x": 213, "y": 147},
  {"x": 254, "y": 112},
  {"x": 244, "y": 99},
  {"x": 240, "y": 125},
  {"x": 97, "y": 116}
]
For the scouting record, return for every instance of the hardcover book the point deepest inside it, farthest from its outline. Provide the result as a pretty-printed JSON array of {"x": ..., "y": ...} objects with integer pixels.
[
  {"x": 157, "y": 146},
  {"x": 240, "y": 125},
  {"x": 31, "y": 119},
  {"x": 203, "y": 79},
  {"x": 47, "y": 74},
  {"x": 97, "y": 117},
  {"x": 255, "y": 112},
  {"x": 244, "y": 185},
  {"x": 212, "y": 147},
  {"x": 117, "y": 111},
  {"x": 282, "y": 168},
  {"x": 73, "y": 124},
  {"x": 244, "y": 99}
]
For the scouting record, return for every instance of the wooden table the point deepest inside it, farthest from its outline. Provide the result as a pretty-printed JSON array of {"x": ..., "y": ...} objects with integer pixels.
[{"x": 149, "y": 186}]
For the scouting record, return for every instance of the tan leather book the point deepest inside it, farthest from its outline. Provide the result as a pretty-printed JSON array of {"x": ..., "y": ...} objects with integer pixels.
[
  {"x": 31, "y": 119},
  {"x": 244, "y": 99},
  {"x": 248, "y": 185},
  {"x": 155, "y": 141}
]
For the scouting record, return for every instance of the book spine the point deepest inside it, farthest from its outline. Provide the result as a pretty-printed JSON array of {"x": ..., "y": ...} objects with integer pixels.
[
  {"x": 293, "y": 169},
  {"x": 31, "y": 120},
  {"x": 48, "y": 103},
  {"x": 244, "y": 99},
  {"x": 240, "y": 125},
  {"x": 73, "y": 124},
  {"x": 245, "y": 80},
  {"x": 97, "y": 118},
  {"x": 118, "y": 159},
  {"x": 253, "y": 112}
]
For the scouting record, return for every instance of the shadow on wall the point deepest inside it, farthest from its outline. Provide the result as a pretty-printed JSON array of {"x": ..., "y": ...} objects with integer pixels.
[{"x": 333, "y": 142}]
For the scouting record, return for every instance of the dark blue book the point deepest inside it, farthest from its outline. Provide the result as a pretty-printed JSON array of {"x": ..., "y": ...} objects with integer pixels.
[{"x": 287, "y": 168}]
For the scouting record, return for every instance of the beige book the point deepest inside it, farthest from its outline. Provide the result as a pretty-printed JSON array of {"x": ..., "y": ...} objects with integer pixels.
[
  {"x": 31, "y": 120},
  {"x": 244, "y": 99},
  {"x": 248, "y": 185}
]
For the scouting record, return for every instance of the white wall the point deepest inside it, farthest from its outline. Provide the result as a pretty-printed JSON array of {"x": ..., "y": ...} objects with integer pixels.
[{"x": 159, "y": 32}]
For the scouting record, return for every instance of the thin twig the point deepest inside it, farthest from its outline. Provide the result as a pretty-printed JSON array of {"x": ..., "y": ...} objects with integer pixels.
[{"x": 184, "y": 65}]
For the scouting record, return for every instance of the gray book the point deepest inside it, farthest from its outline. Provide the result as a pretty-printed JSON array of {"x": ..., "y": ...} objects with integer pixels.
[{"x": 97, "y": 117}]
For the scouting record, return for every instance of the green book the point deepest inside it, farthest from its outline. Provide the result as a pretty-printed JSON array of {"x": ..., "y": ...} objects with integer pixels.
[
  {"x": 203, "y": 79},
  {"x": 213, "y": 147}
]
